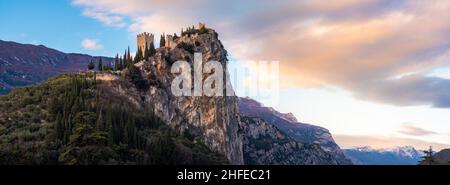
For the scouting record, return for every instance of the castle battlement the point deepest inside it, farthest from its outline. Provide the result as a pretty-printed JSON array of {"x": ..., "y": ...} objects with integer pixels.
[
  {"x": 148, "y": 38},
  {"x": 145, "y": 39}
]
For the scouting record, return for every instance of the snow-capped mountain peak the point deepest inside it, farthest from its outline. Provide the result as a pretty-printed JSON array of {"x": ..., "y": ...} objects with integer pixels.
[{"x": 384, "y": 156}]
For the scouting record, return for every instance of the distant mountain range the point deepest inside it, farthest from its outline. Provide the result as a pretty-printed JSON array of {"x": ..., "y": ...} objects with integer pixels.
[
  {"x": 406, "y": 155},
  {"x": 26, "y": 64}
]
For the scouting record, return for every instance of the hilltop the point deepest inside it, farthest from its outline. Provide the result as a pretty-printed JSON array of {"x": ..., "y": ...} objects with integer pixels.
[{"x": 127, "y": 114}]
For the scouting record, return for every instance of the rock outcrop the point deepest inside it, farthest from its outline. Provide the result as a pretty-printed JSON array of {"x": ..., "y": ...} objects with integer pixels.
[
  {"x": 264, "y": 144},
  {"x": 300, "y": 132},
  {"x": 212, "y": 120}
]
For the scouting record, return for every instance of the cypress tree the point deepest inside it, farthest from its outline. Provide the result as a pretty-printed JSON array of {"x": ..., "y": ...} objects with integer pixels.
[
  {"x": 120, "y": 64},
  {"x": 146, "y": 52},
  {"x": 116, "y": 62},
  {"x": 125, "y": 62},
  {"x": 129, "y": 59},
  {"x": 151, "y": 49},
  {"x": 162, "y": 41},
  {"x": 100, "y": 64},
  {"x": 137, "y": 56}
]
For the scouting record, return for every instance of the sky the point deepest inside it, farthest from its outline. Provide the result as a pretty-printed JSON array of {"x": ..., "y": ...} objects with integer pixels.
[{"x": 373, "y": 72}]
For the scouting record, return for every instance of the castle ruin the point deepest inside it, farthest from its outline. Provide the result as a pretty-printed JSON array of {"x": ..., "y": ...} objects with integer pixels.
[
  {"x": 170, "y": 43},
  {"x": 145, "y": 39}
]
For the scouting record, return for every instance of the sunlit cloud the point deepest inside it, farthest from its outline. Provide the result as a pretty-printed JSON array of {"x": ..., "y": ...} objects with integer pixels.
[
  {"x": 91, "y": 44},
  {"x": 107, "y": 19},
  {"x": 415, "y": 131},
  {"x": 362, "y": 46}
]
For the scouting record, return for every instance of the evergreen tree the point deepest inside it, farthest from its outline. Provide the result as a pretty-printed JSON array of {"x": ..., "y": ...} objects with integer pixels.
[
  {"x": 129, "y": 59},
  {"x": 162, "y": 41},
  {"x": 140, "y": 55},
  {"x": 100, "y": 64},
  {"x": 125, "y": 59},
  {"x": 137, "y": 56},
  {"x": 151, "y": 49},
  {"x": 91, "y": 65},
  {"x": 116, "y": 62},
  {"x": 146, "y": 53},
  {"x": 428, "y": 159},
  {"x": 120, "y": 63}
]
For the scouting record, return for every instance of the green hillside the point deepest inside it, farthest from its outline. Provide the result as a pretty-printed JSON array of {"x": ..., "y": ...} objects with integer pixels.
[{"x": 71, "y": 119}]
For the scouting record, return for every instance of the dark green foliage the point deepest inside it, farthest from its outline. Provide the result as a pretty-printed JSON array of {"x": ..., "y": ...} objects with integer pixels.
[
  {"x": 129, "y": 59},
  {"x": 73, "y": 119},
  {"x": 139, "y": 56},
  {"x": 117, "y": 65},
  {"x": 121, "y": 64},
  {"x": 151, "y": 49},
  {"x": 125, "y": 60},
  {"x": 162, "y": 41},
  {"x": 186, "y": 46},
  {"x": 134, "y": 74},
  {"x": 430, "y": 158},
  {"x": 100, "y": 64},
  {"x": 91, "y": 65},
  {"x": 169, "y": 60},
  {"x": 146, "y": 52},
  {"x": 108, "y": 67},
  {"x": 191, "y": 30}
]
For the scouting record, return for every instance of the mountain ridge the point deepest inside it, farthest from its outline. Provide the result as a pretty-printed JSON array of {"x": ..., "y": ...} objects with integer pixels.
[{"x": 27, "y": 64}]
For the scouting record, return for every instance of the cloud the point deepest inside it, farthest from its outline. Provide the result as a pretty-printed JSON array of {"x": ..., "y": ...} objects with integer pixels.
[
  {"x": 91, "y": 44},
  {"x": 107, "y": 19},
  {"x": 349, "y": 141},
  {"x": 379, "y": 50},
  {"x": 415, "y": 131}
]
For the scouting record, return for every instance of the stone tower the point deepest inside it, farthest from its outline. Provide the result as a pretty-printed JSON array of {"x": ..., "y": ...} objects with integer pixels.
[
  {"x": 170, "y": 43},
  {"x": 201, "y": 25},
  {"x": 144, "y": 38}
]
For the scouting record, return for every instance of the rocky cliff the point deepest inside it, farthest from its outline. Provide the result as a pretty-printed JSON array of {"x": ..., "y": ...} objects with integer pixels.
[
  {"x": 265, "y": 144},
  {"x": 288, "y": 124},
  {"x": 213, "y": 120}
]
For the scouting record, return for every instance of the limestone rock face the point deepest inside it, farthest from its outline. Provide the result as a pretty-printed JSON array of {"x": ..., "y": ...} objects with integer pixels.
[
  {"x": 263, "y": 137},
  {"x": 264, "y": 144},
  {"x": 300, "y": 132},
  {"x": 215, "y": 121}
]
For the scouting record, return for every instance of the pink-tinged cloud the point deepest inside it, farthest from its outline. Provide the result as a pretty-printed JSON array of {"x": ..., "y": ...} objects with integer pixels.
[
  {"x": 349, "y": 141},
  {"x": 415, "y": 131},
  {"x": 379, "y": 50}
]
